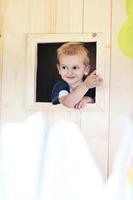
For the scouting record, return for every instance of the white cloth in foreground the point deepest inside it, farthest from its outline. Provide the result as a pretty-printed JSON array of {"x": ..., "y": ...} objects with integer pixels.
[
  {"x": 20, "y": 158},
  {"x": 41, "y": 164},
  {"x": 69, "y": 170},
  {"x": 120, "y": 183}
]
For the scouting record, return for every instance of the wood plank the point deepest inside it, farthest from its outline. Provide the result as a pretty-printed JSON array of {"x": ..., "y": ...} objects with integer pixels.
[
  {"x": 1, "y": 15},
  {"x": 1, "y": 69},
  {"x": 121, "y": 90},
  {"x": 16, "y": 17},
  {"x": 13, "y": 78},
  {"x": 75, "y": 116},
  {"x": 43, "y": 16},
  {"x": 69, "y": 16},
  {"x": 97, "y": 16},
  {"x": 95, "y": 130}
]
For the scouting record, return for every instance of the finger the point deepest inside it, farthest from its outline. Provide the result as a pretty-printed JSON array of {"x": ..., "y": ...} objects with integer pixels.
[
  {"x": 98, "y": 83},
  {"x": 75, "y": 106},
  {"x": 83, "y": 104},
  {"x": 100, "y": 79},
  {"x": 93, "y": 73},
  {"x": 80, "y": 105}
]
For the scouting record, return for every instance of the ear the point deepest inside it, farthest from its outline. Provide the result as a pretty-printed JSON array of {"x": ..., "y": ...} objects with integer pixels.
[
  {"x": 87, "y": 69},
  {"x": 58, "y": 67}
]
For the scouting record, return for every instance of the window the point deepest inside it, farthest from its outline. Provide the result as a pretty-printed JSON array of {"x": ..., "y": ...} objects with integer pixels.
[
  {"x": 42, "y": 71},
  {"x": 47, "y": 74}
]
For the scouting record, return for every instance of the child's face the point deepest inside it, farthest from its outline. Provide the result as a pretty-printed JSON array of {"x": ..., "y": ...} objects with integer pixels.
[{"x": 72, "y": 69}]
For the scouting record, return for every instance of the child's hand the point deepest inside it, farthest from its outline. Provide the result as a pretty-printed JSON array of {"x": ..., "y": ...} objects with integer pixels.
[
  {"x": 82, "y": 103},
  {"x": 93, "y": 80}
]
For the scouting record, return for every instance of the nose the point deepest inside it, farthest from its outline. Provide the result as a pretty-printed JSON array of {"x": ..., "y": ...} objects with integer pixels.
[{"x": 69, "y": 71}]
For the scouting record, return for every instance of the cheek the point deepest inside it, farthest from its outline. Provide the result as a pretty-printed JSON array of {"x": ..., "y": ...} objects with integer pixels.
[{"x": 59, "y": 71}]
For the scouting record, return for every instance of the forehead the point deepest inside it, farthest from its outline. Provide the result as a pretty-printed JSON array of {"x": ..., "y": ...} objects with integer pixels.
[{"x": 71, "y": 59}]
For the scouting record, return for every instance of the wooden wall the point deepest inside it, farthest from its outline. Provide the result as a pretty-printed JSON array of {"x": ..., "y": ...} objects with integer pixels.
[
  {"x": 101, "y": 130},
  {"x": 121, "y": 81},
  {"x": 1, "y": 47}
]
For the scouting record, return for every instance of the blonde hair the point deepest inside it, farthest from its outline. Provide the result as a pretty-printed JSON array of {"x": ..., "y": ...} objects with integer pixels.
[{"x": 73, "y": 48}]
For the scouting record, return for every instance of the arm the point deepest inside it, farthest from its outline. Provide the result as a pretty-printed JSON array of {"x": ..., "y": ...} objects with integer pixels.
[
  {"x": 82, "y": 103},
  {"x": 75, "y": 96}
]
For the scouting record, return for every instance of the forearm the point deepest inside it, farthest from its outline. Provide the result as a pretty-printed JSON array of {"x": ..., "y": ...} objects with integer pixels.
[{"x": 75, "y": 96}]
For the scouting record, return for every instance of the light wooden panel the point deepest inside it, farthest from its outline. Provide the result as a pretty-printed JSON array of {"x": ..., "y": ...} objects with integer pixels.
[
  {"x": 1, "y": 54},
  {"x": 75, "y": 116},
  {"x": 1, "y": 51},
  {"x": 121, "y": 91},
  {"x": 51, "y": 118},
  {"x": 16, "y": 18},
  {"x": 69, "y": 16},
  {"x": 97, "y": 16},
  {"x": 1, "y": 15},
  {"x": 53, "y": 16},
  {"x": 95, "y": 130},
  {"x": 43, "y": 16},
  {"x": 13, "y": 85},
  {"x": 38, "y": 18}
]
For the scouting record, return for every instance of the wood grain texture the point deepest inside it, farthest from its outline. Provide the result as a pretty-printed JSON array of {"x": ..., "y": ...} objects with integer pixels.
[
  {"x": 16, "y": 19},
  {"x": 43, "y": 16},
  {"x": 57, "y": 16},
  {"x": 121, "y": 90},
  {"x": 69, "y": 16}
]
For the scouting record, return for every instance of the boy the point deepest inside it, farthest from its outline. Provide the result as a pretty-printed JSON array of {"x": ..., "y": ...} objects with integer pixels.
[{"x": 73, "y": 65}]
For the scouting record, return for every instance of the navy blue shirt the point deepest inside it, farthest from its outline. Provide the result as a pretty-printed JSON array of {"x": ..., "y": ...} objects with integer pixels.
[{"x": 62, "y": 85}]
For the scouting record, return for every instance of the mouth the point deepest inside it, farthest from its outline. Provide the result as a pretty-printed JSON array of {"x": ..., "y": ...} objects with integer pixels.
[{"x": 70, "y": 77}]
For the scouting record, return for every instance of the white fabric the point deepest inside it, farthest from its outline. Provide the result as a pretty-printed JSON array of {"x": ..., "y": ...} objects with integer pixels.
[
  {"x": 38, "y": 164},
  {"x": 69, "y": 169},
  {"x": 117, "y": 186},
  {"x": 21, "y": 157},
  {"x": 63, "y": 93}
]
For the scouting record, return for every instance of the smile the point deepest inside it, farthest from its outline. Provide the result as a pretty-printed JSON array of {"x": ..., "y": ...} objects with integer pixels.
[{"x": 70, "y": 77}]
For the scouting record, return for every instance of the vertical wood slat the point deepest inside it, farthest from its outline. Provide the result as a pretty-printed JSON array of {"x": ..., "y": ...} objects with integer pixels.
[
  {"x": 16, "y": 19},
  {"x": 51, "y": 118},
  {"x": 13, "y": 77},
  {"x": 43, "y": 16},
  {"x": 38, "y": 18},
  {"x": 75, "y": 116},
  {"x": 121, "y": 90},
  {"x": 97, "y": 16},
  {"x": 56, "y": 116},
  {"x": 69, "y": 16},
  {"x": 0, "y": 45},
  {"x": 1, "y": 15},
  {"x": 95, "y": 128},
  {"x": 1, "y": 69}
]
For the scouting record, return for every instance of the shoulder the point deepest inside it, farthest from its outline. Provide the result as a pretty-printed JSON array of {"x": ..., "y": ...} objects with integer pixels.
[
  {"x": 57, "y": 88},
  {"x": 61, "y": 85}
]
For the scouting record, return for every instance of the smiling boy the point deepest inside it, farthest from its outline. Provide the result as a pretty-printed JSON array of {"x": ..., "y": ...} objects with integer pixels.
[{"x": 73, "y": 65}]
